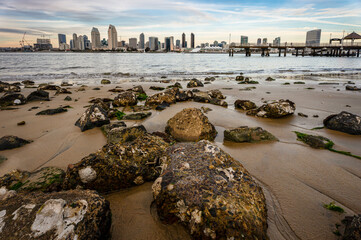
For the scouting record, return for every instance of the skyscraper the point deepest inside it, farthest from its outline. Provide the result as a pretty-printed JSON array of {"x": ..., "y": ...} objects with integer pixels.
[
  {"x": 95, "y": 38},
  {"x": 259, "y": 41},
  {"x": 87, "y": 44},
  {"x": 183, "y": 40},
  {"x": 61, "y": 39},
  {"x": 81, "y": 45},
  {"x": 153, "y": 43},
  {"x": 192, "y": 40},
  {"x": 277, "y": 41},
  {"x": 133, "y": 43},
  {"x": 264, "y": 41},
  {"x": 171, "y": 39},
  {"x": 244, "y": 40},
  {"x": 141, "y": 41},
  {"x": 75, "y": 42},
  {"x": 177, "y": 43},
  {"x": 112, "y": 37},
  {"x": 167, "y": 44},
  {"x": 313, "y": 37}
]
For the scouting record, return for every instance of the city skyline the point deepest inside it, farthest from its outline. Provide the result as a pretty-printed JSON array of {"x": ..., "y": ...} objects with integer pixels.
[{"x": 164, "y": 18}]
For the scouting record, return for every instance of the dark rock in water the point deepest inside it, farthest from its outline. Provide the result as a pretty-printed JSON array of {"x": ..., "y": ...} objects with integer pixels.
[
  {"x": 21, "y": 123},
  {"x": 328, "y": 83},
  {"x": 353, "y": 227},
  {"x": 302, "y": 115},
  {"x": 347, "y": 106},
  {"x": 269, "y": 79},
  {"x": 240, "y": 78},
  {"x": 275, "y": 109},
  {"x": 315, "y": 116},
  {"x": 52, "y": 111},
  {"x": 344, "y": 122},
  {"x": 46, "y": 179},
  {"x": 244, "y": 104},
  {"x": 216, "y": 94},
  {"x": 2, "y": 159},
  {"x": 28, "y": 82},
  {"x": 156, "y": 88},
  {"x": 38, "y": 95},
  {"x": 162, "y": 106},
  {"x": 10, "y": 142},
  {"x": 75, "y": 214},
  {"x": 12, "y": 99},
  {"x": 176, "y": 85},
  {"x": 210, "y": 79},
  {"x": 10, "y": 88},
  {"x": 194, "y": 83},
  {"x": 195, "y": 90},
  {"x": 97, "y": 89},
  {"x": 137, "y": 108},
  {"x": 299, "y": 82},
  {"x": 247, "y": 134},
  {"x": 122, "y": 134},
  {"x": 126, "y": 98},
  {"x": 165, "y": 81},
  {"x": 352, "y": 88},
  {"x": 68, "y": 98},
  {"x": 137, "y": 89},
  {"x": 118, "y": 166},
  {"x": 168, "y": 96},
  {"x": 315, "y": 141},
  {"x": 94, "y": 116},
  {"x": 62, "y": 91},
  {"x": 190, "y": 124},
  {"x": 105, "y": 81},
  {"x": 248, "y": 81},
  {"x": 209, "y": 192},
  {"x": 48, "y": 87},
  {"x": 33, "y": 108},
  {"x": 163, "y": 77},
  {"x": 137, "y": 116}
]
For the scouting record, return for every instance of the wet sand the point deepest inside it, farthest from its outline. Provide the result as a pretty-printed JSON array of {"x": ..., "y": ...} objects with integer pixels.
[{"x": 297, "y": 180}]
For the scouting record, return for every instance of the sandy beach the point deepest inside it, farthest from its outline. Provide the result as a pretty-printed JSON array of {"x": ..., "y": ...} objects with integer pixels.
[{"x": 297, "y": 180}]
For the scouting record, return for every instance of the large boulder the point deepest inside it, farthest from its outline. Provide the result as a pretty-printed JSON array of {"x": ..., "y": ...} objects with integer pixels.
[
  {"x": 10, "y": 142},
  {"x": 194, "y": 83},
  {"x": 274, "y": 109},
  {"x": 127, "y": 98},
  {"x": 168, "y": 96},
  {"x": 244, "y": 104},
  {"x": 94, "y": 116},
  {"x": 209, "y": 192},
  {"x": 247, "y": 134},
  {"x": 11, "y": 99},
  {"x": 118, "y": 166},
  {"x": 76, "y": 214},
  {"x": 190, "y": 124},
  {"x": 39, "y": 95},
  {"x": 344, "y": 122}
]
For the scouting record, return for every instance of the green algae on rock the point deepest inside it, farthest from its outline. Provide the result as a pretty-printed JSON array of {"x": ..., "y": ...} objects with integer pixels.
[
  {"x": 247, "y": 134},
  {"x": 209, "y": 192}
]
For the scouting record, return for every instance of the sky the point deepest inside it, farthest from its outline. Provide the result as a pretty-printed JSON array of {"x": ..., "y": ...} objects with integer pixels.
[{"x": 208, "y": 20}]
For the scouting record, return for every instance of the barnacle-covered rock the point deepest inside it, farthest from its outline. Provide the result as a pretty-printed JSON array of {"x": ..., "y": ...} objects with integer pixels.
[
  {"x": 122, "y": 134},
  {"x": 127, "y": 98},
  {"x": 194, "y": 83},
  {"x": 344, "y": 122},
  {"x": 208, "y": 191},
  {"x": 274, "y": 109},
  {"x": 76, "y": 214},
  {"x": 94, "y": 116},
  {"x": 244, "y": 104},
  {"x": 190, "y": 124},
  {"x": 214, "y": 97},
  {"x": 247, "y": 134},
  {"x": 118, "y": 166},
  {"x": 11, "y": 99},
  {"x": 168, "y": 96}
]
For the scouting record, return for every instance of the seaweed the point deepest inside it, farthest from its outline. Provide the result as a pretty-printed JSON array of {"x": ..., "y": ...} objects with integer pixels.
[
  {"x": 142, "y": 97},
  {"x": 317, "y": 128},
  {"x": 119, "y": 115},
  {"x": 16, "y": 186},
  {"x": 332, "y": 207}
]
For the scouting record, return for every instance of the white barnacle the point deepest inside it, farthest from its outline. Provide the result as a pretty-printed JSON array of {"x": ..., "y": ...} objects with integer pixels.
[
  {"x": 157, "y": 187},
  {"x": 87, "y": 174},
  {"x": 196, "y": 216}
]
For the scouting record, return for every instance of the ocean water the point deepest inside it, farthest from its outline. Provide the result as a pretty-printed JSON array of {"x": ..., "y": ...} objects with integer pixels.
[{"x": 90, "y": 68}]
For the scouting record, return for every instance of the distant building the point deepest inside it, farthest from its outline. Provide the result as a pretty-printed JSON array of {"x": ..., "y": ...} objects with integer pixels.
[
  {"x": 171, "y": 43},
  {"x": 71, "y": 44},
  {"x": 104, "y": 43},
  {"x": 87, "y": 43},
  {"x": 81, "y": 42},
  {"x": 43, "y": 44},
  {"x": 177, "y": 43},
  {"x": 264, "y": 41},
  {"x": 133, "y": 43},
  {"x": 112, "y": 38},
  {"x": 153, "y": 43},
  {"x": 186, "y": 44},
  {"x": 75, "y": 42},
  {"x": 141, "y": 41},
  {"x": 244, "y": 40},
  {"x": 215, "y": 43},
  {"x": 95, "y": 35},
  {"x": 192, "y": 40},
  {"x": 167, "y": 44},
  {"x": 183, "y": 40},
  {"x": 277, "y": 41},
  {"x": 259, "y": 41},
  {"x": 313, "y": 37},
  {"x": 61, "y": 39}
]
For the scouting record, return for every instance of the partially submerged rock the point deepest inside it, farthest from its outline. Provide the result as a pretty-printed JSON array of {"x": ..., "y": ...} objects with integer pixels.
[
  {"x": 76, "y": 214},
  {"x": 68, "y": 98},
  {"x": 106, "y": 128},
  {"x": 38, "y": 95},
  {"x": 194, "y": 83},
  {"x": 105, "y": 81},
  {"x": 10, "y": 142},
  {"x": 353, "y": 227},
  {"x": 52, "y": 111},
  {"x": 210, "y": 193},
  {"x": 190, "y": 125},
  {"x": 315, "y": 141},
  {"x": 270, "y": 79},
  {"x": 127, "y": 98},
  {"x": 94, "y": 116},
  {"x": 344, "y": 122},
  {"x": 244, "y": 104},
  {"x": 352, "y": 88},
  {"x": 247, "y": 81},
  {"x": 11, "y": 99},
  {"x": 274, "y": 109},
  {"x": 247, "y": 134}
]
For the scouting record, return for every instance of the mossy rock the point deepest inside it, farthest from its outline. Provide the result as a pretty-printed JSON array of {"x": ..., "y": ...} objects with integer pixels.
[
  {"x": 247, "y": 134},
  {"x": 315, "y": 141}
]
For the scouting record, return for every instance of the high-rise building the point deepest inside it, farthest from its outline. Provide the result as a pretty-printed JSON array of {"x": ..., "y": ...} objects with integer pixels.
[
  {"x": 313, "y": 37},
  {"x": 177, "y": 44},
  {"x": 171, "y": 43},
  {"x": 87, "y": 44},
  {"x": 167, "y": 44},
  {"x": 153, "y": 43},
  {"x": 259, "y": 41},
  {"x": 141, "y": 41},
  {"x": 192, "y": 40},
  {"x": 264, "y": 41},
  {"x": 71, "y": 44},
  {"x": 112, "y": 37},
  {"x": 277, "y": 41},
  {"x": 133, "y": 43},
  {"x": 75, "y": 42},
  {"x": 95, "y": 35},
  {"x": 61, "y": 39},
  {"x": 183, "y": 40},
  {"x": 244, "y": 40},
  {"x": 43, "y": 44},
  {"x": 81, "y": 43}
]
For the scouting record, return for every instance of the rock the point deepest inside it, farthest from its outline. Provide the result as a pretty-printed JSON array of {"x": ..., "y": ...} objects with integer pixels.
[
  {"x": 162, "y": 106},
  {"x": 315, "y": 141},
  {"x": 190, "y": 125},
  {"x": 165, "y": 136},
  {"x": 216, "y": 94},
  {"x": 248, "y": 81},
  {"x": 302, "y": 115},
  {"x": 353, "y": 227},
  {"x": 116, "y": 90},
  {"x": 240, "y": 78},
  {"x": 62, "y": 91},
  {"x": 210, "y": 79},
  {"x": 118, "y": 166},
  {"x": 137, "y": 116},
  {"x": 182, "y": 96},
  {"x": 21, "y": 123},
  {"x": 168, "y": 96},
  {"x": 68, "y": 98},
  {"x": 209, "y": 192},
  {"x": 81, "y": 89},
  {"x": 48, "y": 87},
  {"x": 28, "y": 82},
  {"x": 344, "y": 122},
  {"x": 206, "y": 97},
  {"x": 247, "y": 134},
  {"x": 106, "y": 128},
  {"x": 75, "y": 214},
  {"x": 274, "y": 109},
  {"x": 10, "y": 88},
  {"x": 105, "y": 81},
  {"x": 52, "y": 111},
  {"x": 122, "y": 134},
  {"x": 66, "y": 84},
  {"x": 352, "y": 88},
  {"x": 205, "y": 109},
  {"x": 269, "y": 79},
  {"x": 2, "y": 159},
  {"x": 137, "y": 89},
  {"x": 11, "y": 99},
  {"x": 195, "y": 90},
  {"x": 38, "y": 95},
  {"x": 126, "y": 98},
  {"x": 299, "y": 82},
  {"x": 97, "y": 89},
  {"x": 10, "y": 142},
  {"x": 137, "y": 108},
  {"x": 94, "y": 116},
  {"x": 315, "y": 116},
  {"x": 176, "y": 85},
  {"x": 156, "y": 88},
  {"x": 194, "y": 83},
  {"x": 244, "y": 104}
]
